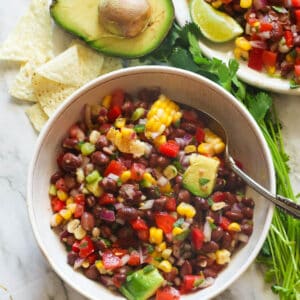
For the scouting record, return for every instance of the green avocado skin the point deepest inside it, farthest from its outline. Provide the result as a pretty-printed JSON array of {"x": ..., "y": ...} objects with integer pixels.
[
  {"x": 81, "y": 18},
  {"x": 140, "y": 285}
]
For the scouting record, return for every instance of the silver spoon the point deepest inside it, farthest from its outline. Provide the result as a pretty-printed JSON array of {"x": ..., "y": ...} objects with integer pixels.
[{"x": 286, "y": 204}]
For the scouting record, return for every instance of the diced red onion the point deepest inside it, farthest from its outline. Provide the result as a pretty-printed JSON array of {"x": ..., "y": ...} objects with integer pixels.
[
  {"x": 107, "y": 215},
  {"x": 113, "y": 238},
  {"x": 243, "y": 237},
  {"x": 120, "y": 221},
  {"x": 113, "y": 176},
  {"x": 74, "y": 192},
  {"x": 206, "y": 283},
  {"x": 118, "y": 205},
  {"x": 129, "y": 191},
  {"x": 141, "y": 255},
  {"x": 207, "y": 231},
  {"x": 183, "y": 141},
  {"x": 142, "y": 121},
  {"x": 106, "y": 280},
  {"x": 185, "y": 225},
  {"x": 265, "y": 35},
  {"x": 147, "y": 204},
  {"x": 124, "y": 259},
  {"x": 162, "y": 181},
  {"x": 259, "y": 4},
  {"x": 185, "y": 161},
  {"x": 148, "y": 148},
  {"x": 258, "y": 44},
  {"x": 78, "y": 263}
]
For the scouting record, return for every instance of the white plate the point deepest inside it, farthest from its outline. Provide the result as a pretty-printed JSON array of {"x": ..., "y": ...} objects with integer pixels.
[{"x": 224, "y": 52}]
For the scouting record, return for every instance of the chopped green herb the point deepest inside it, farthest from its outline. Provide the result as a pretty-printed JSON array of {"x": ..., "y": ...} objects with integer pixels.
[
  {"x": 178, "y": 165},
  {"x": 279, "y": 9},
  {"x": 177, "y": 123},
  {"x": 139, "y": 128},
  {"x": 159, "y": 259},
  {"x": 179, "y": 222},
  {"x": 182, "y": 236},
  {"x": 115, "y": 155},
  {"x": 150, "y": 248},
  {"x": 213, "y": 226},
  {"x": 119, "y": 182},
  {"x": 203, "y": 181},
  {"x": 210, "y": 201},
  {"x": 83, "y": 245},
  {"x": 198, "y": 282},
  {"x": 148, "y": 269}
]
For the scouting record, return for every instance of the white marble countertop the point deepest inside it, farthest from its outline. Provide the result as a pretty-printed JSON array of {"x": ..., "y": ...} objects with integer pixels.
[{"x": 23, "y": 270}]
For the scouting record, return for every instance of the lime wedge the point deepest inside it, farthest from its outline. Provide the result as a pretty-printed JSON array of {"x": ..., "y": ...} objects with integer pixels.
[{"x": 214, "y": 24}]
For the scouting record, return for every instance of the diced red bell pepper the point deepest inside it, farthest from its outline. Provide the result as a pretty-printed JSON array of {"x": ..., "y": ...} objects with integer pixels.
[
  {"x": 117, "y": 98},
  {"x": 170, "y": 204},
  {"x": 295, "y": 3},
  {"x": 139, "y": 224},
  {"x": 79, "y": 199},
  {"x": 197, "y": 238},
  {"x": 165, "y": 222},
  {"x": 219, "y": 196},
  {"x": 269, "y": 58},
  {"x": 143, "y": 235},
  {"x": 57, "y": 204},
  {"x": 79, "y": 210},
  {"x": 200, "y": 134},
  {"x": 297, "y": 70},
  {"x": 289, "y": 39},
  {"x": 61, "y": 185},
  {"x": 117, "y": 282},
  {"x": 110, "y": 261},
  {"x": 75, "y": 246},
  {"x": 297, "y": 16},
  {"x": 119, "y": 251},
  {"x": 113, "y": 113},
  {"x": 255, "y": 59},
  {"x": 86, "y": 247},
  {"x": 264, "y": 26},
  {"x": 170, "y": 148},
  {"x": 167, "y": 293},
  {"x": 92, "y": 258},
  {"x": 134, "y": 259},
  {"x": 107, "y": 199},
  {"x": 189, "y": 283},
  {"x": 137, "y": 171},
  {"x": 114, "y": 167},
  {"x": 224, "y": 223}
]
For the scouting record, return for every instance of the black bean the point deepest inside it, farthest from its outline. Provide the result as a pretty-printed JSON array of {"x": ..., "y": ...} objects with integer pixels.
[
  {"x": 90, "y": 201},
  {"x": 105, "y": 231},
  {"x": 162, "y": 161},
  {"x": 186, "y": 269},
  {"x": 87, "y": 221},
  {"x": 99, "y": 158},
  {"x": 70, "y": 162},
  {"x": 97, "y": 210},
  {"x": 234, "y": 215},
  {"x": 100, "y": 245},
  {"x": 57, "y": 175},
  {"x": 70, "y": 182},
  {"x": 120, "y": 278},
  {"x": 153, "y": 160},
  {"x": 170, "y": 276},
  {"x": 178, "y": 179},
  {"x": 149, "y": 94},
  {"x": 247, "y": 212},
  {"x": 71, "y": 258},
  {"x": 209, "y": 247},
  {"x": 70, "y": 143},
  {"x": 248, "y": 202},
  {"x": 108, "y": 184},
  {"x": 217, "y": 234},
  {"x": 184, "y": 196},
  {"x": 128, "y": 213},
  {"x": 159, "y": 203},
  {"x": 226, "y": 241},
  {"x": 189, "y": 127},
  {"x": 92, "y": 272},
  {"x": 102, "y": 142},
  {"x": 247, "y": 229},
  {"x": 152, "y": 192},
  {"x": 209, "y": 272},
  {"x": 201, "y": 203},
  {"x": 230, "y": 198}
]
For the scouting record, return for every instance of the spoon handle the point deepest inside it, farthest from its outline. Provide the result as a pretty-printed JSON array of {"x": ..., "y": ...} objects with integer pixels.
[{"x": 286, "y": 204}]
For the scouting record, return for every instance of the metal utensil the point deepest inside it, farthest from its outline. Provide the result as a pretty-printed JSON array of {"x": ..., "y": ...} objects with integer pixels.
[{"x": 286, "y": 204}]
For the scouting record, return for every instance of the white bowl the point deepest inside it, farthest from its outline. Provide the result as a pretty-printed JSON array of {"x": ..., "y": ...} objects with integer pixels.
[
  {"x": 224, "y": 52},
  {"x": 246, "y": 144}
]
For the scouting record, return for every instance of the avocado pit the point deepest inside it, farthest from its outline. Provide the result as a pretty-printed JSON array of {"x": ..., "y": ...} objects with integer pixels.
[{"x": 126, "y": 18}]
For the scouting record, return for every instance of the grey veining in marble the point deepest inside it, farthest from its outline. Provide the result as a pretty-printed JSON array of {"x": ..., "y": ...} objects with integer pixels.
[{"x": 23, "y": 270}]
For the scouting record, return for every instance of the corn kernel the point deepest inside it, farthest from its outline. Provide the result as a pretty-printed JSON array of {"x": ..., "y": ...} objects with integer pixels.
[
  {"x": 125, "y": 176},
  {"x": 165, "y": 266},
  {"x": 106, "y": 101},
  {"x": 80, "y": 175},
  {"x": 70, "y": 200},
  {"x": 185, "y": 209},
  {"x": 270, "y": 70},
  {"x": 161, "y": 139},
  {"x": 206, "y": 148},
  {"x": 85, "y": 264},
  {"x": 166, "y": 253},
  {"x": 72, "y": 207},
  {"x": 52, "y": 190},
  {"x": 190, "y": 149},
  {"x": 167, "y": 188},
  {"x": 79, "y": 233},
  {"x": 243, "y": 43},
  {"x": 120, "y": 122},
  {"x": 56, "y": 220},
  {"x": 219, "y": 147},
  {"x": 170, "y": 172},
  {"x": 148, "y": 177},
  {"x": 217, "y": 3},
  {"x": 218, "y": 205},
  {"x": 177, "y": 230},
  {"x": 66, "y": 214},
  {"x": 222, "y": 257},
  {"x": 96, "y": 232},
  {"x": 100, "y": 267},
  {"x": 237, "y": 53},
  {"x": 94, "y": 136},
  {"x": 156, "y": 235},
  {"x": 162, "y": 246},
  {"x": 234, "y": 227},
  {"x": 245, "y": 3},
  {"x": 72, "y": 225},
  {"x": 61, "y": 195}
]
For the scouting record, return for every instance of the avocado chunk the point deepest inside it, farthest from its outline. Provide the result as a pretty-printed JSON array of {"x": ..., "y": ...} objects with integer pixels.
[
  {"x": 142, "y": 284},
  {"x": 82, "y": 19},
  {"x": 94, "y": 187},
  {"x": 200, "y": 177}
]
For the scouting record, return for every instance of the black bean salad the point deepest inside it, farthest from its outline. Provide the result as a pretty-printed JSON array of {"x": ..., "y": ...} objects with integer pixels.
[{"x": 143, "y": 200}]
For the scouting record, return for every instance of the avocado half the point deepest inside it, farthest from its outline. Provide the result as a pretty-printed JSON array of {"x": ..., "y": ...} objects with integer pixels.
[{"x": 82, "y": 19}]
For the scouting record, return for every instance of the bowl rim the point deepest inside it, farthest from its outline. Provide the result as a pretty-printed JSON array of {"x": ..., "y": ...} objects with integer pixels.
[{"x": 130, "y": 71}]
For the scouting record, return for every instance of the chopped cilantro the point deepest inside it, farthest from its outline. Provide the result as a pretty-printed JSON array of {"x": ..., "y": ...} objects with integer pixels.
[
  {"x": 150, "y": 248},
  {"x": 210, "y": 201},
  {"x": 197, "y": 282},
  {"x": 179, "y": 222},
  {"x": 182, "y": 236},
  {"x": 148, "y": 269},
  {"x": 119, "y": 182},
  {"x": 178, "y": 165},
  {"x": 203, "y": 181},
  {"x": 279, "y": 9},
  {"x": 213, "y": 226}
]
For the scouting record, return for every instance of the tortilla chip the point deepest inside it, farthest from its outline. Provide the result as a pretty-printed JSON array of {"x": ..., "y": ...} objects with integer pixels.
[
  {"x": 111, "y": 64},
  {"x": 50, "y": 94},
  {"x": 91, "y": 63},
  {"x": 37, "y": 116},
  {"x": 31, "y": 40},
  {"x": 64, "y": 68},
  {"x": 22, "y": 88}
]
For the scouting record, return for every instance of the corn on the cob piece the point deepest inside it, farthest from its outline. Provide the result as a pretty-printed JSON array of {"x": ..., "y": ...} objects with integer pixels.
[{"x": 161, "y": 114}]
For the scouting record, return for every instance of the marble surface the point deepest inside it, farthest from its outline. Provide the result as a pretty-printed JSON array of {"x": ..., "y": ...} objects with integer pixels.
[{"x": 24, "y": 272}]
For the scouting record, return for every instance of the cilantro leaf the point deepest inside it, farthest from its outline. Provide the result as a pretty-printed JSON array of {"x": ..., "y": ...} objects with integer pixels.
[
  {"x": 203, "y": 181},
  {"x": 259, "y": 105}
]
